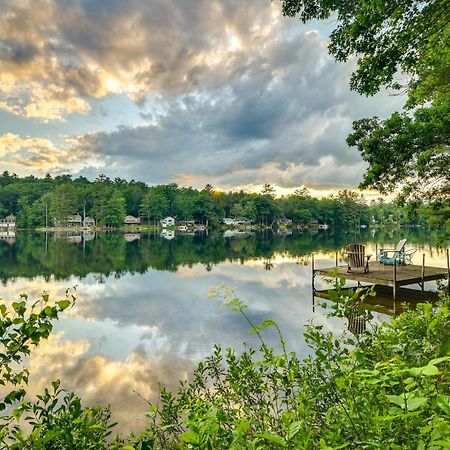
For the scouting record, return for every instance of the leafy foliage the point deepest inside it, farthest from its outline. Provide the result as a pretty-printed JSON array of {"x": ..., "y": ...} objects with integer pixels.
[
  {"x": 40, "y": 201},
  {"x": 403, "y": 45},
  {"x": 56, "y": 419},
  {"x": 386, "y": 388},
  {"x": 387, "y": 36}
]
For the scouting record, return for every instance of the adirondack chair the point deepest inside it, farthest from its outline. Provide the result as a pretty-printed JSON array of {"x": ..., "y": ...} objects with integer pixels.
[
  {"x": 399, "y": 255},
  {"x": 356, "y": 257}
]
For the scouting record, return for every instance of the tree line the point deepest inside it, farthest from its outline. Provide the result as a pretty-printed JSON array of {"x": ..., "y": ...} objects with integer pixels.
[{"x": 38, "y": 202}]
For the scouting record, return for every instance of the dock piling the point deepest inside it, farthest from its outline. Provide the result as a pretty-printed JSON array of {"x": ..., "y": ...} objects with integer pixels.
[
  {"x": 394, "y": 287},
  {"x": 423, "y": 272},
  {"x": 313, "y": 283},
  {"x": 312, "y": 273},
  {"x": 448, "y": 271}
]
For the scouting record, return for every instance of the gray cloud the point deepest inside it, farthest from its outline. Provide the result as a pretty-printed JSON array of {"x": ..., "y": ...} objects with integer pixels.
[
  {"x": 232, "y": 93},
  {"x": 283, "y": 121},
  {"x": 89, "y": 49}
]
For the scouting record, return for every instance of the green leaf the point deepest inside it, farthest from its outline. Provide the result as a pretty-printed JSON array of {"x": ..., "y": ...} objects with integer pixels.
[
  {"x": 190, "y": 436},
  {"x": 48, "y": 311},
  {"x": 407, "y": 401},
  {"x": 272, "y": 437},
  {"x": 443, "y": 401},
  {"x": 413, "y": 403},
  {"x": 63, "y": 304},
  {"x": 294, "y": 428}
]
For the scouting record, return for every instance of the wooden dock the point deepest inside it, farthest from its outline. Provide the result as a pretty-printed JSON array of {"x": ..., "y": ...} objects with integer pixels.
[{"x": 393, "y": 276}]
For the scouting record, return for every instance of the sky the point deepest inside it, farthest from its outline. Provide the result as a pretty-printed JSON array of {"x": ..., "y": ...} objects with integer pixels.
[{"x": 225, "y": 92}]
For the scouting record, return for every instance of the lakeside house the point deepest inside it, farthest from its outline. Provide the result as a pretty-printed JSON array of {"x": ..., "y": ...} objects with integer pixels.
[
  {"x": 234, "y": 222},
  {"x": 131, "y": 220},
  {"x": 186, "y": 225},
  {"x": 89, "y": 222},
  {"x": 284, "y": 221},
  {"x": 74, "y": 221},
  {"x": 167, "y": 222},
  {"x": 8, "y": 222},
  {"x": 229, "y": 221}
]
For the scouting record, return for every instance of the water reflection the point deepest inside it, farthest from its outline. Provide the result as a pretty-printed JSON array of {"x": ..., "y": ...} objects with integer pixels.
[{"x": 143, "y": 317}]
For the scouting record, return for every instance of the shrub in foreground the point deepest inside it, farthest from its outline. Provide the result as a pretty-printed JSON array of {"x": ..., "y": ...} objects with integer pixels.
[{"x": 385, "y": 388}]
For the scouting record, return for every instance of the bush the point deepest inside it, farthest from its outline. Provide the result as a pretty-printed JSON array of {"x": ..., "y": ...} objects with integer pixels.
[
  {"x": 56, "y": 419},
  {"x": 385, "y": 388}
]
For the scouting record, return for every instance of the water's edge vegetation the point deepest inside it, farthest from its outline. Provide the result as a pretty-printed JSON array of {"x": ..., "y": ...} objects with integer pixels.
[{"x": 387, "y": 387}]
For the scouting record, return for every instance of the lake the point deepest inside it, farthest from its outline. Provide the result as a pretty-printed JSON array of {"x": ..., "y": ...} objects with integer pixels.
[{"x": 143, "y": 317}]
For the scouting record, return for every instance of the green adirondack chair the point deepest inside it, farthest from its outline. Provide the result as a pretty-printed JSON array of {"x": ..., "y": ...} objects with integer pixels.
[{"x": 398, "y": 255}]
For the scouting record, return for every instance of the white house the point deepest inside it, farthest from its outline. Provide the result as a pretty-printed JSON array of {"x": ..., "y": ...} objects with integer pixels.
[
  {"x": 167, "y": 222},
  {"x": 284, "y": 221},
  {"x": 8, "y": 222},
  {"x": 88, "y": 222},
  {"x": 229, "y": 221},
  {"x": 187, "y": 223},
  {"x": 74, "y": 220},
  {"x": 131, "y": 220}
]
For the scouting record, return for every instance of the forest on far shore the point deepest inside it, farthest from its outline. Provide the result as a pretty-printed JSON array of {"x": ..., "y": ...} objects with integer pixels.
[{"x": 39, "y": 201}]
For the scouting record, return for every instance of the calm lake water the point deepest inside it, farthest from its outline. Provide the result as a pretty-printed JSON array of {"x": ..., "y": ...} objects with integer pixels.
[{"x": 143, "y": 317}]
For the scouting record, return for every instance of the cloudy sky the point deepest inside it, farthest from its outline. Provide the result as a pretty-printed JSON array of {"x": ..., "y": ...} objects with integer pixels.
[{"x": 226, "y": 92}]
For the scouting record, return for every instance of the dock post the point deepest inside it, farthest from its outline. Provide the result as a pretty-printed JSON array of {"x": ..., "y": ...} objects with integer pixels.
[
  {"x": 336, "y": 258},
  {"x": 394, "y": 287},
  {"x": 423, "y": 272},
  {"x": 376, "y": 252},
  {"x": 312, "y": 283},
  {"x": 313, "y": 272},
  {"x": 448, "y": 272}
]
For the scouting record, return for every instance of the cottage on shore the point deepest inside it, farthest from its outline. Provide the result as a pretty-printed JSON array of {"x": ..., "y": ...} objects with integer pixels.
[
  {"x": 74, "y": 221},
  {"x": 284, "y": 221},
  {"x": 89, "y": 222},
  {"x": 8, "y": 222},
  {"x": 131, "y": 220},
  {"x": 167, "y": 222},
  {"x": 229, "y": 221}
]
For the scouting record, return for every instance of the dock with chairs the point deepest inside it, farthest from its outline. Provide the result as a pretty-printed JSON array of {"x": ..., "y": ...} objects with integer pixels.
[{"x": 392, "y": 276}]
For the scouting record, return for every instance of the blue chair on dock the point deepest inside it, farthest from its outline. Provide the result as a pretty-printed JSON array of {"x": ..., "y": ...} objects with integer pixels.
[{"x": 398, "y": 255}]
